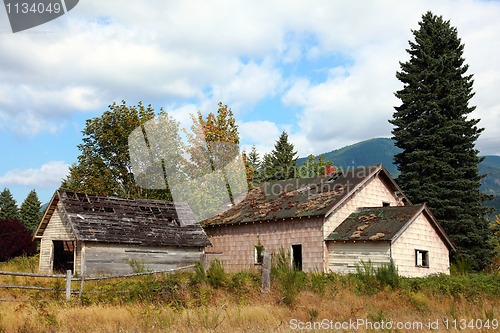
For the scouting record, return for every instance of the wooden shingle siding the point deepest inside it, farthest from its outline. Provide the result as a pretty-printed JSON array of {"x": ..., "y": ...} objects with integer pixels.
[
  {"x": 371, "y": 194},
  {"x": 57, "y": 229},
  {"x": 347, "y": 255},
  {"x": 45, "y": 261},
  {"x": 104, "y": 233},
  {"x": 420, "y": 235},
  {"x": 235, "y": 245},
  {"x": 104, "y": 259}
]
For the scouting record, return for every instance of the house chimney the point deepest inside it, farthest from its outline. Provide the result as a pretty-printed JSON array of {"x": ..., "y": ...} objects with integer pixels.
[{"x": 329, "y": 169}]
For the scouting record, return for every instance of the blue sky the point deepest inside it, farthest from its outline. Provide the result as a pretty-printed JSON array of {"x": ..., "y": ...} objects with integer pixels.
[{"x": 322, "y": 70}]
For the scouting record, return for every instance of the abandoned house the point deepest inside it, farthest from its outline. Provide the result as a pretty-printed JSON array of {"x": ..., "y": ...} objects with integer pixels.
[
  {"x": 97, "y": 235},
  {"x": 331, "y": 223}
]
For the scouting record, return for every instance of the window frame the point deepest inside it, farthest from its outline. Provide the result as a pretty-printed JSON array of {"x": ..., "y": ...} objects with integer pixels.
[
  {"x": 258, "y": 260},
  {"x": 425, "y": 258}
]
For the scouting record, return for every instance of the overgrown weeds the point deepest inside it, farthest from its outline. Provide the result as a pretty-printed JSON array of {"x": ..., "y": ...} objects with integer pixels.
[
  {"x": 289, "y": 280},
  {"x": 215, "y": 300},
  {"x": 369, "y": 279}
]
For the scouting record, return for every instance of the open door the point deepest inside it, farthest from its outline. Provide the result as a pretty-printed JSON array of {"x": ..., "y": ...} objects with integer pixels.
[
  {"x": 64, "y": 256},
  {"x": 297, "y": 256}
]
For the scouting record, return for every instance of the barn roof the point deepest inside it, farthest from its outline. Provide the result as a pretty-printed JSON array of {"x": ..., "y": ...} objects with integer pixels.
[
  {"x": 129, "y": 221},
  {"x": 383, "y": 224},
  {"x": 301, "y": 197}
]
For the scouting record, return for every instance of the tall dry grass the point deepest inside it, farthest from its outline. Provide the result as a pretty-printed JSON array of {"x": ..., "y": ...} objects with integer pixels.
[
  {"x": 223, "y": 302},
  {"x": 262, "y": 314}
]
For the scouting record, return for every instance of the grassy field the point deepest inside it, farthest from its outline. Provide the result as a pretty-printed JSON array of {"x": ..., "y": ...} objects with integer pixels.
[{"x": 220, "y": 302}]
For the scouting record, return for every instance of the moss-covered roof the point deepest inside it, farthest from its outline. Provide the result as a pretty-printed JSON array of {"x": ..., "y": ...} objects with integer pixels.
[
  {"x": 384, "y": 224},
  {"x": 375, "y": 223},
  {"x": 302, "y": 197}
]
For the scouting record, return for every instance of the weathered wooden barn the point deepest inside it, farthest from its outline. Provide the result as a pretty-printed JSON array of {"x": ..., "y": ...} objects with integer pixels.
[
  {"x": 321, "y": 223},
  {"x": 97, "y": 235}
]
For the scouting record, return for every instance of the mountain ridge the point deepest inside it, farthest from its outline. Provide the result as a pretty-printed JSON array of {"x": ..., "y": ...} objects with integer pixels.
[{"x": 382, "y": 150}]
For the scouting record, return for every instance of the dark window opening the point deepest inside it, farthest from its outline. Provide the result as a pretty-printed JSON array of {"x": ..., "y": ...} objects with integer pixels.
[
  {"x": 385, "y": 204},
  {"x": 421, "y": 258},
  {"x": 297, "y": 256},
  {"x": 64, "y": 256},
  {"x": 259, "y": 254}
]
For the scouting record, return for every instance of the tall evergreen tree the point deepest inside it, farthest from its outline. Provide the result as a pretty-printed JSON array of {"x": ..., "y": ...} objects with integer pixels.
[
  {"x": 30, "y": 211},
  {"x": 8, "y": 206},
  {"x": 313, "y": 166},
  {"x": 281, "y": 162},
  {"x": 439, "y": 162},
  {"x": 252, "y": 165}
]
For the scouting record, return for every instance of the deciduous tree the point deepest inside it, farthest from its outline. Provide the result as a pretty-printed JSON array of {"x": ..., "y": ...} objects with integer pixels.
[
  {"x": 104, "y": 165},
  {"x": 15, "y": 240}
]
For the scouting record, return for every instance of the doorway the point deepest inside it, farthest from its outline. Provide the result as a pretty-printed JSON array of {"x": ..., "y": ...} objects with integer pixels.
[
  {"x": 64, "y": 256},
  {"x": 297, "y": 256}
]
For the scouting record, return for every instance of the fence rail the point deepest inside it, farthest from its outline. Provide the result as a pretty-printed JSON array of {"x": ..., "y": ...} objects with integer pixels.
[{"x": 69, "y": 278}]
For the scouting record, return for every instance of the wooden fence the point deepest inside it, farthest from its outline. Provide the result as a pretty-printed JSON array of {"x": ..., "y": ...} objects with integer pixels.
[{"x": 69, "y": 278}]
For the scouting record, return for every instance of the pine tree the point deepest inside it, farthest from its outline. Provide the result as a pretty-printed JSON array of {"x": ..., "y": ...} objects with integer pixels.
[
  {"x": 252, "y": 164},
  {"x": 8, "y": 206},
  {"x": 30, "y": 211},
  {"x": 313, "y": 166},
  {"x": 281, "y": 162},
  {"x": 439, "y": 162}
]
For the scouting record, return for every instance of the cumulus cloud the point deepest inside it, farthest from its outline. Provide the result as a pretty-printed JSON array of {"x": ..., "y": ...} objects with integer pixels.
[
  {"x": 262, "y": 134},
  {"x": 49, "y": 175},
  {"x": 243, "y": 53}
]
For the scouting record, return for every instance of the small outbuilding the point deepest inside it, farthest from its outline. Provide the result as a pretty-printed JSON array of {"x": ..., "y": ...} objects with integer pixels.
[
  {"x": 99, "y": 235},
  {"x": 408, "y": 236}
]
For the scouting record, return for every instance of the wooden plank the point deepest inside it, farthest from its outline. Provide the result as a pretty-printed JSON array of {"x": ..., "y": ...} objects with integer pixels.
[
  {"x": 33, "y": 274},
  {"x": 10, "y": 286}
]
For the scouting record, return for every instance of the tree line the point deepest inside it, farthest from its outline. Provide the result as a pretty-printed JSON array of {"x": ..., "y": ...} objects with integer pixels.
[
  {"x": 28, "y": 213},
  {"x": 17, "y": 224}
]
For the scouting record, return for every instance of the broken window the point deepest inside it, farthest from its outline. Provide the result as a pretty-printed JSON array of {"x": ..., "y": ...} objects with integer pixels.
[
  {"x": 259, "y": 253},
  {"x": 421, "y": 258}
]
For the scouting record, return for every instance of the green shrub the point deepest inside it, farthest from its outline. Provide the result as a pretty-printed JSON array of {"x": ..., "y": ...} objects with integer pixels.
[
  {"x": 137, "y": 265},
  {"x": 216, "y": 276},
  {"x": 199, "y": 274},
  {"x": 365, "y": 279},
  {"x": 460, "y": 266},
  {"x": 291, "y": 281},
  {"x": 317, "y": 282},
  {"x": 387, "y": 275},
  {"x": 369, "y": 280}
]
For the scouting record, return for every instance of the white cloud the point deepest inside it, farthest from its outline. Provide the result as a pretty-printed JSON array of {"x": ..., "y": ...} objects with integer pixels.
[
  {"x": 262, "y": 134},
  {"x": 243, "y": 53},
  {"x": 251, "y": 83},
  {"x": 48, "y": 175}
]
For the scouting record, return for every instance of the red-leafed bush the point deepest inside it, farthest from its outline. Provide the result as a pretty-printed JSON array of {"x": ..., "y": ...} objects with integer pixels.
[{"x": 15, "y": 240}]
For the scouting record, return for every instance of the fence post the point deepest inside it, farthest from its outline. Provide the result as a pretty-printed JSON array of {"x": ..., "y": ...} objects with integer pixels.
[
  {"x": 204, "y": 261},
  {"x": 266, "y": 273},
  {"x": 68, "y": 285}
]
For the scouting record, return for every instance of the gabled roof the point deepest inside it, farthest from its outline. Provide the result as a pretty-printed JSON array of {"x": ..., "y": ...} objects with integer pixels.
[
  {"x": 384, "y": 224},
  {"x": 127, "y": 221},
  {"x": 301, "y": 197}
]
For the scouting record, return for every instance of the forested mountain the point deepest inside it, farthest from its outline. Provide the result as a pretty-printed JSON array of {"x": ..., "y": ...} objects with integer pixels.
[{"x": 382, "y": 150}]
